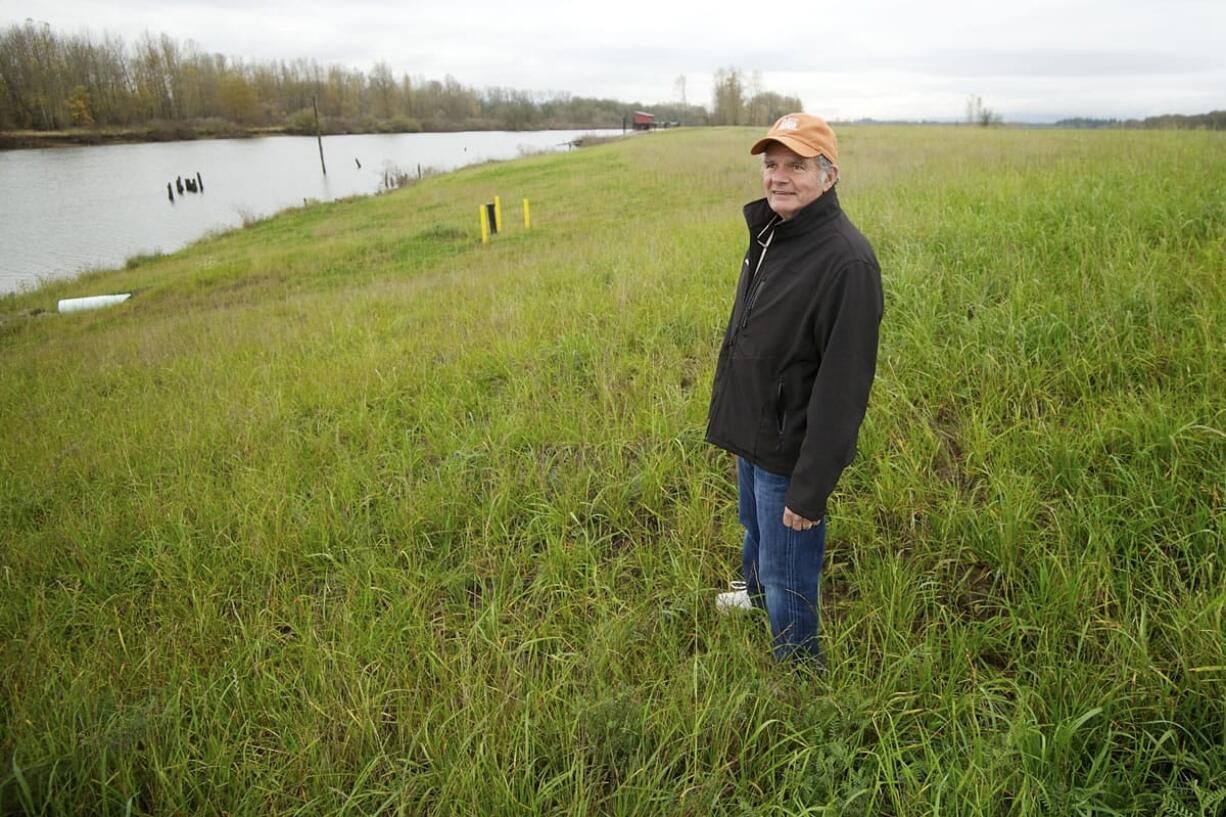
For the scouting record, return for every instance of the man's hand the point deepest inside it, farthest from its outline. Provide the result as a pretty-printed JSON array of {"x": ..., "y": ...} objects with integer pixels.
[{"x": 795, "y": 521}]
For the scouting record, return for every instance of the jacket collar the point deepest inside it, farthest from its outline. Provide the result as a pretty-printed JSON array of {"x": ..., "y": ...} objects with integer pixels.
[{"x": 760, "y": 217}]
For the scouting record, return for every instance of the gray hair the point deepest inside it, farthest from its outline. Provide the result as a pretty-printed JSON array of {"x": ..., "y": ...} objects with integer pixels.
[{"x": 824, "y": 166}]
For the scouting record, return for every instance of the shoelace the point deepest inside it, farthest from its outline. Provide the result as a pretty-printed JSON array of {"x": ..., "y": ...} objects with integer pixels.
[{"x": 737, "y": 585}]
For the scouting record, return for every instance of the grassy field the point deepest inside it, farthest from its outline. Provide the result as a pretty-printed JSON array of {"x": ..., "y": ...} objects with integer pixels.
[{"x": 344, "y": 513}]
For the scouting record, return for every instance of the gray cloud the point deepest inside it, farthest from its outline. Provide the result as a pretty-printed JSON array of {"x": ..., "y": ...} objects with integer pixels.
[
  {"x": 1056, "y": 63},
  {"x": 879, "y": 58}
]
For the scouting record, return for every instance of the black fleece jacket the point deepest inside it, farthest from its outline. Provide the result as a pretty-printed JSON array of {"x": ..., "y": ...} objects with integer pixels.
[{"x": 800, "y": 351}]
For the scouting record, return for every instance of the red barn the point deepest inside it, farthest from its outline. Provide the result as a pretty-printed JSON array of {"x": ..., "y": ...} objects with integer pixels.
[{"x": 644, "y": 120}]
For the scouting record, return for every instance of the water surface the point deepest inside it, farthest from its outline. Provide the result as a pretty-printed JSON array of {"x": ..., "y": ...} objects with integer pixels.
[{"x": 68, "y": 209}]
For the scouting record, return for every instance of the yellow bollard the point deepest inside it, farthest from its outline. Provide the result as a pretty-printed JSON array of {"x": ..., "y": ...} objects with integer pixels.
[
  {"x": 485, "y": 225},
  {"x": 527, "y": 216},
  {"x": 497, "y": 214}
]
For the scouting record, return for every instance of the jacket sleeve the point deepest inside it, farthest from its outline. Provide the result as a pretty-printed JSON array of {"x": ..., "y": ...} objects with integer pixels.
[{"x": 846, "y": 336}]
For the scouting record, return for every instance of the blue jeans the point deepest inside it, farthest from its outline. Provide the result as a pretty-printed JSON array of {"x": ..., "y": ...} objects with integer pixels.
[{"x": 782, "y": 567}]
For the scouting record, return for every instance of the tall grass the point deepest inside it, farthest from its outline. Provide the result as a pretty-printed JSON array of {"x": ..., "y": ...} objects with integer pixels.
[{"x": 347, "y": 514}]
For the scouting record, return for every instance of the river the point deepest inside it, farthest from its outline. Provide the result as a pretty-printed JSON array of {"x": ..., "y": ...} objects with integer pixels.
[{"x": 69, "y": 209}]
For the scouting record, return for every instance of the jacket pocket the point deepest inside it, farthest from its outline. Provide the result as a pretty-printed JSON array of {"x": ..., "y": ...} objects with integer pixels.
[
  {"x": 773, "y": 421},
  {"x": 791, "y": 396},
  {"x": 781, "y": 408}
]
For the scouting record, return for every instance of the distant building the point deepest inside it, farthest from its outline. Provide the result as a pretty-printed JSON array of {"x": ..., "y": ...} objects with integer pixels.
[{"x": 644, "y": 120}]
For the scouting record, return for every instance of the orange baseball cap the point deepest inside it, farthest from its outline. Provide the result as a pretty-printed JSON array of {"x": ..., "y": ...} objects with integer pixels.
[{"x": 804, "y": 133}]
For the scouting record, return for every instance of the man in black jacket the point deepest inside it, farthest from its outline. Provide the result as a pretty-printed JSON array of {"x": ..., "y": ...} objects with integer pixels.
[{"x": 794, "y": 374}]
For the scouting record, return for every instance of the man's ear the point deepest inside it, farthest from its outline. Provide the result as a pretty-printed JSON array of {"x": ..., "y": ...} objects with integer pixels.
[{"x": 832, "y": 178}]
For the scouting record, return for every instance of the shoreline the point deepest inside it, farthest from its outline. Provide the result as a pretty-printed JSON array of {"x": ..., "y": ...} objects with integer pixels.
[
  {"x": 92, "y": 137},
  {"x": 18, "y": 286}
]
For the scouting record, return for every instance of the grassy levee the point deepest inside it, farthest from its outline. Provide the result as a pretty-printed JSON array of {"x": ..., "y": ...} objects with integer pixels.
[{"x": 344, "y": 513}]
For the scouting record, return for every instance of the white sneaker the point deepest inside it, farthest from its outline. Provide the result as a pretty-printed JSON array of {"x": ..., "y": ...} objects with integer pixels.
[{"x": 737, "y": 598}]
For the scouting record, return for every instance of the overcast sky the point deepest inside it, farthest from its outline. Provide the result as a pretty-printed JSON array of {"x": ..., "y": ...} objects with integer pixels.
[{"x": 1031, "y": 60}]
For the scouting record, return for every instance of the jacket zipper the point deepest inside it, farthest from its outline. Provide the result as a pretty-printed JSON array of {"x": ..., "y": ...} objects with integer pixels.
[{"x": 756, "y": 286}]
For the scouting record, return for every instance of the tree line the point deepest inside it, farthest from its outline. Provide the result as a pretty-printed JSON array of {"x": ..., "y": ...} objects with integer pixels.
[
  {"x": 1214, "y": 120},
  {"x": 740, "y": 100},
  {"x": 53, "y": 82}
]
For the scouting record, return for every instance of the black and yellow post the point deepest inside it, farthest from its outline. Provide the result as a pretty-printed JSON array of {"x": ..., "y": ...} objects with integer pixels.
[{"x": 490, "y": 216}]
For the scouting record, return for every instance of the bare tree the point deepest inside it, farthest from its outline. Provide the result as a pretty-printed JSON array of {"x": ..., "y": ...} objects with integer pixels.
[
  {"x": 383, "y": 89},
  {"x": 754, "y": 108},
  {"x": 979, "y": 114},
  {"x": 728, "y": 103}
]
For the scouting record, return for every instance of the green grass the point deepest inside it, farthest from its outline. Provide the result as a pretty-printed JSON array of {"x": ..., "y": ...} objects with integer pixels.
[{"x": 347, "y": 514}]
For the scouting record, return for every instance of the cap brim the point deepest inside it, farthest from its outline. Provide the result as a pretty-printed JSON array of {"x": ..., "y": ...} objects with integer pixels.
[{"x": 797, "y": 147}]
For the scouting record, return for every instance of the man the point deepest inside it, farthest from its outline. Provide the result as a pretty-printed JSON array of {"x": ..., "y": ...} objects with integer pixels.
[{"x": 794, "y": 373}]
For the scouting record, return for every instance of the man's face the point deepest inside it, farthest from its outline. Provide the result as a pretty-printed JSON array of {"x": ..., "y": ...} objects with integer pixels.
[{"x": 790, "y": 180}]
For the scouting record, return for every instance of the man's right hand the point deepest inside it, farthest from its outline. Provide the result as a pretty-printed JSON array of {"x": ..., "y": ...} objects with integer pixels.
[{"x": 795, "y": 521}]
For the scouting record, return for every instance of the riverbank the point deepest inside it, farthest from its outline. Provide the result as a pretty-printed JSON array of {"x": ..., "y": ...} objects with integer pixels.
[
  {"x": 169, "y": 132},
  {"x": 345, "y": 512},
  {"x": 211, "y": 129}
]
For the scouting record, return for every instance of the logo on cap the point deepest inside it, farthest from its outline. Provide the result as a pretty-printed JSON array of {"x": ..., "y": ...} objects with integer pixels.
[{"x": 789, "y": 124}]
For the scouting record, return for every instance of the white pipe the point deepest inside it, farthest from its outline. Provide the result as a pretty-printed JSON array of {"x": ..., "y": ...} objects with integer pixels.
[{"x": 92, "y": 302}]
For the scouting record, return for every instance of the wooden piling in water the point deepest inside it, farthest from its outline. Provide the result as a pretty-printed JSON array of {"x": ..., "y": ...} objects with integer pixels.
[{"x": 318, "y": 137}]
